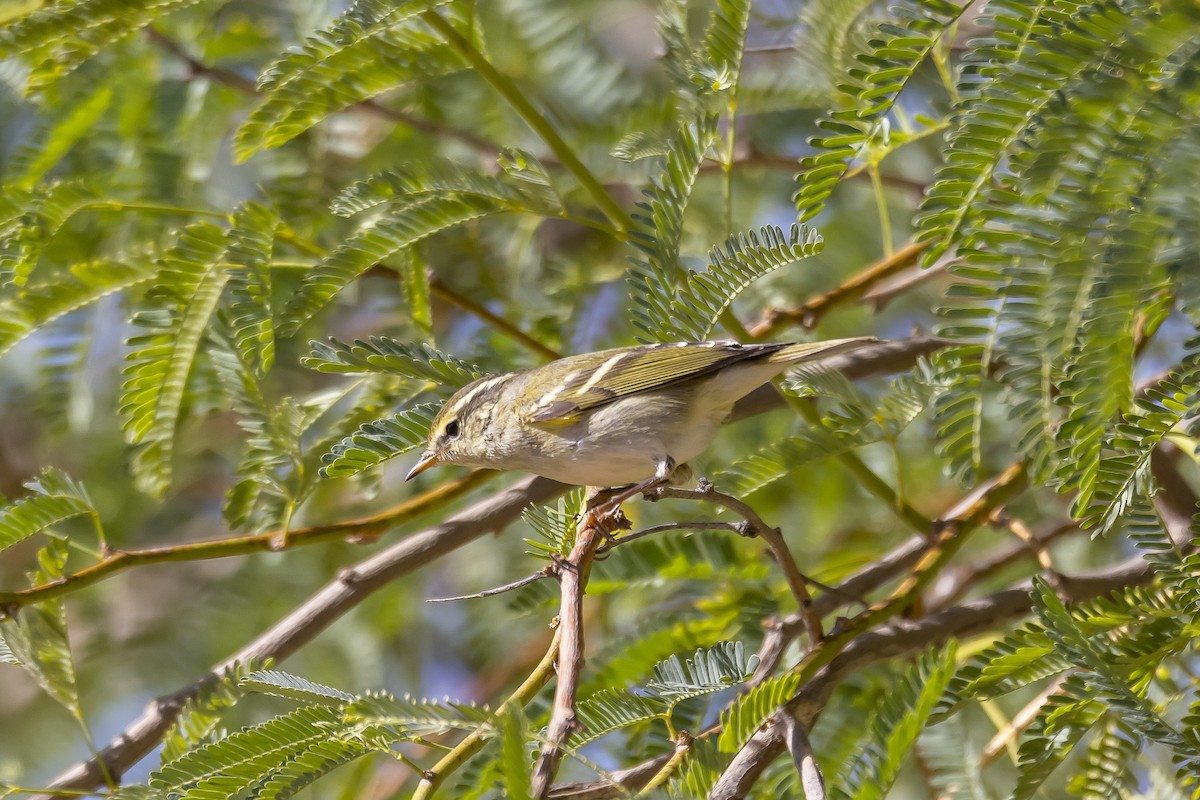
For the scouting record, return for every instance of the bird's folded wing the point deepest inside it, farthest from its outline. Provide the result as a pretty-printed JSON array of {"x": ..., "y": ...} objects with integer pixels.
[{"x": 638, "y": 369}]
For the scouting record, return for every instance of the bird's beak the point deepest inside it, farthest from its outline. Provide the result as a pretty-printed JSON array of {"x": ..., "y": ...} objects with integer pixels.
[{"x": 428, "y": 459}]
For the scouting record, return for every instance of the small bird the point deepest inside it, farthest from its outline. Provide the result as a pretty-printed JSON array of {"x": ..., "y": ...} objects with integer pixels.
[{"x": 630, "y": 415}]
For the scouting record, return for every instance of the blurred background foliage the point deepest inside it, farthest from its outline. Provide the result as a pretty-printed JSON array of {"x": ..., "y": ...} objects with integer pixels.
[{"x": 194, "y": 190}]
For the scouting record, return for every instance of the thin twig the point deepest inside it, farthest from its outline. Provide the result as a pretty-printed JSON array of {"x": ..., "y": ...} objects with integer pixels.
[
  {"x": 572, "y": 575},
  {"x": 439, "y": 288},
  {"x": 812, "y": 310},
  {"x": 682, "y": 525},
  {"x": 361, "y": 529},
  {"x": 545, "y": 572},
  {"x": 796, "y": 581},
  {"x": 476, "y": 739}
]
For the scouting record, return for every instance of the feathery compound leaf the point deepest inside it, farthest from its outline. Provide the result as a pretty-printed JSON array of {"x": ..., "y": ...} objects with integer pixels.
[
  {"x": 160, "y": 362},
  {"x": 1059, "y": 727},
  {"x": 951, "y": 754},
  {"x": 250, "y": 757},
  {"x": 852, "y": 423},
  {"x": 514, "y": 753},
  {"x": 554, "y": 525},
  {"x": 675, "y": 680},
  {"x": 80, "y": 286},
  {"x": 57, "y": 497},
  {"x": 1123, "y": 473},
  {"x": 443, "y": 177},
  {"x": 197, "y": 722},
  {"x": 611, "y": 710},
  {"x": 655, "y": 279},
  {"x": 376, "y": 442},
  {"x": 371, "y": 49},
  {"x": 900, "y": 45},
  {"x": 6, "y": 654},
  {"x": 38, "y": 636},
  {"x": 1103, "y": 679},
  {"x": 893, "y": 728},
  {"x": 35, "y": 219},
  {"x": 251, "y": 241},
  {"x": 724, "y": 46},
  {"x": 293, "y": 687},
  {"x": 377, "y": 241},
  {"x": 710, "y": 670},
  {"x": 748, "y": 712},
  {"x": 65, "y": 34},
  {"x": 381, "y": 354},
  {"x": 1106, "y": 772},
  {"x": 409, "y": 718},
  {"x": 699, "y": 303}
]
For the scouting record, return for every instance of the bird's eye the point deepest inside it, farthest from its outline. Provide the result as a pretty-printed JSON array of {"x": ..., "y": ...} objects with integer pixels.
[{"x": 452, "y": 429}]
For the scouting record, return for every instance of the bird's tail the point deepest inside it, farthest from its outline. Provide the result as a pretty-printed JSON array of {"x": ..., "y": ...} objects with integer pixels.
[{"x": 811, "y": 351}]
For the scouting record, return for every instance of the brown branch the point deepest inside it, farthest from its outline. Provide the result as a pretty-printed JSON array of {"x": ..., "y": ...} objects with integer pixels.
[
  {"x": 798, "y": 745},
  {"x": 439, "y": 288},
  {"x": 796, "y": 581},
  {"x": 812, "y": 310},
  {"x": 351, "y": 586},
  {"x": 364, "y": 528},
  {"x": 900, "y": 638},
  {"x": 573, "y": 577}
]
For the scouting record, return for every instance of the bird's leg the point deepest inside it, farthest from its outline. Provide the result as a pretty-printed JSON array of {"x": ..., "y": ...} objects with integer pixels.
[{"x": 662, "y": 475}]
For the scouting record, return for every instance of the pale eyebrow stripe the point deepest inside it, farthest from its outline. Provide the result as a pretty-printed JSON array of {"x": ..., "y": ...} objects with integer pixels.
[
  {"x": 604, "y": 369},
  {"x": 462, "y": 401}
]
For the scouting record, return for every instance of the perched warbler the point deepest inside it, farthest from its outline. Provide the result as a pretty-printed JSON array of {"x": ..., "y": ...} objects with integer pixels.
[{"x": 624, "y": 416}]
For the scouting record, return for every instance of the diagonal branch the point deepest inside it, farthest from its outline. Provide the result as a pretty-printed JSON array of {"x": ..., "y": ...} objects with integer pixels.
[
  {"x": 352, "y": 586},
  {"x": 364, "y": 528}
]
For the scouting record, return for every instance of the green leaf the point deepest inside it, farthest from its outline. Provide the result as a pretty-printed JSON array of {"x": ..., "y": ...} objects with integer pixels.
[
  {"x": 381, "y": 354},
  {"x": 38, "y": 639},
  {"x": 747, "y": 713},
  {"x": 251, "y": 242},
  {"x": 177, "y": 314},
  {"x": 6, "y": 654},
  {"x": 409, "y": 718},
  {"x": 293, "y": 687},
  {"x": 57, "y": 497},
  {"x": 376, "y": 442},
  {"x": 514, "y": 754},
  {"x": 253, "y": 757},
  {"x": 62, "y": 134},
  {"x": 898, "y": 47},
  {"x": 81, "y": 285},
  {"x": 372, "y": 48},
  {"x": 198, "y": 721},
  {"x": 556, "y": 526},
  {"x": 893, "y": 729},
  {"x": 377, "y": 241},
  {"x": 654, "y": 280}
]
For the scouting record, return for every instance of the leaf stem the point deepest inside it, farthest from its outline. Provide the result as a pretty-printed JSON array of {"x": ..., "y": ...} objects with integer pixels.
[
  {"x": 532, "y": 117},
  {"x": 475, "y": 740}
]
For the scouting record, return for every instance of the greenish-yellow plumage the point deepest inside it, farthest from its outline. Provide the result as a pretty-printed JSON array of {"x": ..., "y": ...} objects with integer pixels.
[{"x": 609, "y": 418}]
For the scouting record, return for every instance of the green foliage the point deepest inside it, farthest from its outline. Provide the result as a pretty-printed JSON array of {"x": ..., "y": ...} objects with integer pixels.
[
  {"x": 555, "y": 526},
  {"x": 853, "y": 421},
  {"x": 56, "y": 498},
  {"x": 675, "y": 680},
  {"x": 899, "y": 46},
  {"x": 376, "y": 442},
  {"x": 393, "y": 357},
  {"x": 38, "y": 638},
  {"x": 412, "y": 182},
  {"x": 893, "y": 729}
]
